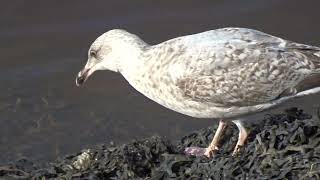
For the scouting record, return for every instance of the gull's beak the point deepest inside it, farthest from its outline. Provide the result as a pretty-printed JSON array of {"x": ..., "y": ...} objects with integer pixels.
[{"x": 83, "y": 76}]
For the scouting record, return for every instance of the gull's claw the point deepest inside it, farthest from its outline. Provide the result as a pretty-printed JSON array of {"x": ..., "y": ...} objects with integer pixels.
[
  {"x": 237, "y": 150},
  {"x": 211, "y": 151}
]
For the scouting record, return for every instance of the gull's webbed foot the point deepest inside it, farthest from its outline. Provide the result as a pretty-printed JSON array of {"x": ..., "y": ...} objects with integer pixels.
[
  {"x": 243, "y": 135},
  {"x": 213, "y": 147}
]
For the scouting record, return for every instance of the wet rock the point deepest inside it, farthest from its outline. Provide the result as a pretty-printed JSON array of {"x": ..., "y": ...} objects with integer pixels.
[{"x": 283, "y": 146}]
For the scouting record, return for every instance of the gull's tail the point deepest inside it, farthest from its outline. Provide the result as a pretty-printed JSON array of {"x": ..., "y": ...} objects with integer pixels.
[
  {"x": 316, "y": 61},
  {"x": 312, "y": 53}
]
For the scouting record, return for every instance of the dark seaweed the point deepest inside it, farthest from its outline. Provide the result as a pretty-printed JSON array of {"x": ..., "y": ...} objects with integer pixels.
[{"x": 284, "y": 146}]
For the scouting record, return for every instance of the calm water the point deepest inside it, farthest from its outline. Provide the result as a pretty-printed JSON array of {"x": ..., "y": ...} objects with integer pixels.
[{"x": 43, "y": 45}]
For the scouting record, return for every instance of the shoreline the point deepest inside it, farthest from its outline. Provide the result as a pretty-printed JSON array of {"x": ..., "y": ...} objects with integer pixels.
[{"x": 285, "y": 145}]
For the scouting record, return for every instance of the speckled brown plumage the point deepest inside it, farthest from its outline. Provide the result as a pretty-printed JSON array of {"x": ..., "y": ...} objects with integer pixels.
[{"x": 224, "y": 74}]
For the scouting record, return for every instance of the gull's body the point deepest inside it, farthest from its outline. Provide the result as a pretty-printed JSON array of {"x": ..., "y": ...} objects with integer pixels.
[{"x": 222, "y": 74}]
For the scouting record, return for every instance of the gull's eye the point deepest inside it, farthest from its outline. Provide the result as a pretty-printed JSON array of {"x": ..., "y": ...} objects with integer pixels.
[{"x": 93, "y": 53}]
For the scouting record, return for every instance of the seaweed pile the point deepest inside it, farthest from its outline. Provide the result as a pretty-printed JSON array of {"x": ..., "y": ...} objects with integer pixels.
[{"x": 283, "y": 146}]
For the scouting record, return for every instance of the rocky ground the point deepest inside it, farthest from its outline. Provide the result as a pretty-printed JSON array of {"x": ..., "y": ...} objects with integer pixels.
[{"x": 284, "y": 146}]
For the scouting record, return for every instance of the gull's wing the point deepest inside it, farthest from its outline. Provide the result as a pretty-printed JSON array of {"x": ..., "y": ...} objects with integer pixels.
[{"x": 238, "y": 67}]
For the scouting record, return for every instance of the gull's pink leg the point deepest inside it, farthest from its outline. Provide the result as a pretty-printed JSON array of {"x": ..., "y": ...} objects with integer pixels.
[
  {"x": 243, "y": 135},
  {"x": 209, "y": 151}
]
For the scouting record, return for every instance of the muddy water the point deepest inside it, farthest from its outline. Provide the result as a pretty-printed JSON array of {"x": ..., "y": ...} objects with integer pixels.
[{"x": 43, "y": 46}]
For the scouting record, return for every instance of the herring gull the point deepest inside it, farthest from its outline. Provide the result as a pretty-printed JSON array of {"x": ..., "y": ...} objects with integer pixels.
[{"x": 224, "y": 74}]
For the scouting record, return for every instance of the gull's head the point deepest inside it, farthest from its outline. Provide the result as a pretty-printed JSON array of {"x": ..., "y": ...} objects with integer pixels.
[{"x": 108, "y": 52}]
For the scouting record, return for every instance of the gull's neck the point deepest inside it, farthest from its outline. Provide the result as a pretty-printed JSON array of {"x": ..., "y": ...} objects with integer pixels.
[
  {"x": 132, "y": 55},
  {"x": 138, "y": 66}
]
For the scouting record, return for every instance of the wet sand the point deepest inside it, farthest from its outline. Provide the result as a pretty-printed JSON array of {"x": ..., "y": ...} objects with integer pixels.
[{"x": 43, "y": 115}]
